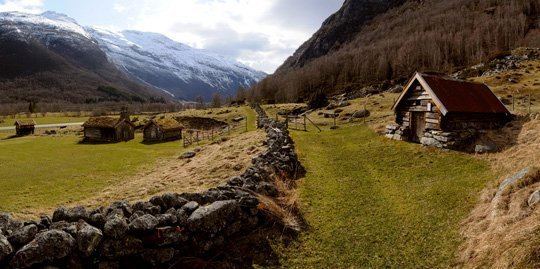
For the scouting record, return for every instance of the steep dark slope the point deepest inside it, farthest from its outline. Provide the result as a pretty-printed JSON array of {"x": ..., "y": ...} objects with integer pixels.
[
  {"x": 338, "y": 29},
  {"x": 427, "y": 35}
]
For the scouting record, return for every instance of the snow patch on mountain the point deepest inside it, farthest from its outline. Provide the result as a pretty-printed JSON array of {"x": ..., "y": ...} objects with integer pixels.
[
  {"x": 150, "y": 58},
  {"x": 49, "y": 19},
  {"x": 141, "y": 53}
]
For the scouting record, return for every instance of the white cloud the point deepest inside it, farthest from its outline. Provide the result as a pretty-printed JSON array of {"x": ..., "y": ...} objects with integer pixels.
[
  {"x": 259, "y": 33},
  {"x": 118, "y": 7},
  {"x": 28, "y": 6}
]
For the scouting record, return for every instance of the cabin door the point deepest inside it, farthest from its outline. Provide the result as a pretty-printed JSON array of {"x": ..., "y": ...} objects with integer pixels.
[{"x": 418, "y": 126}]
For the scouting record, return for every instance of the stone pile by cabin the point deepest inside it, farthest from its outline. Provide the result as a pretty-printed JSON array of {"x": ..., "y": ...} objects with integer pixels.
[{"x": 168, "y": 231}]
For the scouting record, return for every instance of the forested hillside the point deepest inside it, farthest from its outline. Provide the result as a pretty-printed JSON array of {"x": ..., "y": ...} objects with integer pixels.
[{"x": 430, "y": 35}]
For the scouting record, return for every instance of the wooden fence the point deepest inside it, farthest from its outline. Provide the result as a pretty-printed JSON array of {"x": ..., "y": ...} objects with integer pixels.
[{"x": 193, "y": 136}]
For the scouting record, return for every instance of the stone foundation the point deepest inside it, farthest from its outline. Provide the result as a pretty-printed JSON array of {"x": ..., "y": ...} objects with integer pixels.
[
  {"x": 455, "y": 140},
  {"x": 168, "y": 231}
]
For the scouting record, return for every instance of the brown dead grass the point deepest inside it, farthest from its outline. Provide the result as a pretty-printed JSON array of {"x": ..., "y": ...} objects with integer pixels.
[
  {"x": 284, "y": 208},
  {"x": 502, "y": 231},
  {"x": 213, "y": 165},
  {"x": 520, "y": 144}
]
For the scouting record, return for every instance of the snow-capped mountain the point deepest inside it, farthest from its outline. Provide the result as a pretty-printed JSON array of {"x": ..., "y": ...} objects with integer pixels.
[
  {"x": 174, "y": 67},
  {"x": 133, "y": 62},
  {"x": 51, "y": 58}
]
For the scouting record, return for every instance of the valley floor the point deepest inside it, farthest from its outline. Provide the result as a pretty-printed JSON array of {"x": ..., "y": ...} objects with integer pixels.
[
  {"x": 39, "y": 173},
  {"x": 371, "y": 202}
]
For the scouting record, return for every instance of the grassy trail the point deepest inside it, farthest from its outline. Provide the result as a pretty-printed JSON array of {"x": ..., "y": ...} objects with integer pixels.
[{"x": 375, "y": 203}]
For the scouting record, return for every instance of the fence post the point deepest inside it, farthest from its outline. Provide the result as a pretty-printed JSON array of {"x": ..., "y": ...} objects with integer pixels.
[
  {"x": 246, "y": 119},
  {"x": 305, "y": 125},
  {"x": 513, "y": 104}
]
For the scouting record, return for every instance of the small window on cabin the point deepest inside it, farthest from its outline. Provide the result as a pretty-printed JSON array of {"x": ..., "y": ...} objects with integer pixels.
[
  {"x": 417, "y": 102},
  {"x": 429, "y": 107}
]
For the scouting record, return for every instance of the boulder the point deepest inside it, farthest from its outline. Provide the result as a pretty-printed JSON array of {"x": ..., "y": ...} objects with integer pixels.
[
  {"x": 167, "y": 219},
  {"x": 68, "y": 227},
  {"x": 188, "y": 155},
  {"x": 116, "y": 227},
  {"x": 70, "y": 214},
  {"x": 534, "y": 198},
  {"x": 46, "y": 247},
  {"x": 485, "y": 148},
  {"x": 512, "y": 180},
  {"x": 213, "y": 218},
  {"x": 88, "y": 238},
  {"x": 23, "y": 235},
  {"x": 116, "y": 248},
  {"x": 431, "y": 142},
  {"x": 267, "y": 189},
  {"x": 143, "y": 224},
  {"x": 168, "y": 200},
  {"x": 8, "y": 224},
  {"x": 190, "y": 207},
  {"x": 5, "y": 248},
  {"x": 361, "y": 114}
]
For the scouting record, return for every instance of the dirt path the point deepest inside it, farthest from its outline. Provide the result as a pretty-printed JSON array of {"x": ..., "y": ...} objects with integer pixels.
[{"x": 213, "y": 165}]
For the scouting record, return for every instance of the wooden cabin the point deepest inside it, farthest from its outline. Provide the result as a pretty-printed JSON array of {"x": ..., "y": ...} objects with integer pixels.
[
  {"x": 25, "y": 127},
  {"x": 440, "y": 111},
  {"x": 167, "y": 129},
  {"x": 109, "y": 129}
]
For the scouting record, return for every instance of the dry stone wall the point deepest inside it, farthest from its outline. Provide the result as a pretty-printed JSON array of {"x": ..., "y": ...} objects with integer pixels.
[
  {"x": 454, "y": 140},
  {"x": 167, "y": 231}
]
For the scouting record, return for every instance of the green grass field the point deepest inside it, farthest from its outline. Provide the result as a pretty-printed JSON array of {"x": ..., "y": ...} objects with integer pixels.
[
  {"x": 45, "y": 120},
  {"x": 40, "y": 172},
  {"x": 376, "y": 203}
]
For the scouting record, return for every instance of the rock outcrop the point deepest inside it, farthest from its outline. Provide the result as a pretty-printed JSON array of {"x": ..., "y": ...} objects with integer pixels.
[{"x": 163, "y": 231}]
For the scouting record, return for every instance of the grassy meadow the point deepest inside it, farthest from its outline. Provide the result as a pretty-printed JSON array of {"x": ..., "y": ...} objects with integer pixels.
[
  {"x": 44, "y": 120},
  {"x": 40, "y": 172},
  {"x": 375, "y": 203}
]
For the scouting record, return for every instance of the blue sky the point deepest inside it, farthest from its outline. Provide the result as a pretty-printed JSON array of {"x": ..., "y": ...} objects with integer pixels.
[{"x": 259, "y": 33}]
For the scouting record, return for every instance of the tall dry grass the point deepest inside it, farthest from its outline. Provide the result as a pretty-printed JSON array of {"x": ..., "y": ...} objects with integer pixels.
[{"x": 503, "y": 231}]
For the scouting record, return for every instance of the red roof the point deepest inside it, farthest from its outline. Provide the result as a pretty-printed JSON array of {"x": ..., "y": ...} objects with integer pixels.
[{"x": 463, "y": 96}]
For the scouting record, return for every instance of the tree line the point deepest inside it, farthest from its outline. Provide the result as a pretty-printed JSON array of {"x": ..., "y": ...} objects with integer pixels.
[{"x": 430, "y": 35}]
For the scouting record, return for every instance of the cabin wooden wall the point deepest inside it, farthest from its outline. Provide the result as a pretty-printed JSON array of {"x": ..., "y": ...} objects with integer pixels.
[
  {"x": 125, "y": 132},
  {"x": 418, "y": 100},
  {"x": 172, "y": 135},
  {"x": 152, "y": 133}
]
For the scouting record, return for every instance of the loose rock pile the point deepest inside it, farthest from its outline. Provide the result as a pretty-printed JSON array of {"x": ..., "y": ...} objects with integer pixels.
[{"x": 164, "y": 232}]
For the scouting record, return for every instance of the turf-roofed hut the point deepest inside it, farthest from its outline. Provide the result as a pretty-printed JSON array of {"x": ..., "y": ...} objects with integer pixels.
[
  {"x": 436, "y": 110},
  {"x": 159, "y": 130},
  {"x": 108, "y": 129},
  {"x": 25, "y": 127}
]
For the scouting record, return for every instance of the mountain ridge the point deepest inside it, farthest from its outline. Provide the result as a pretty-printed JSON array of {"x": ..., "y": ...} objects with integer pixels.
[
  {"x": 416, "y": 35},
  {"x": 64, "y": 61}
]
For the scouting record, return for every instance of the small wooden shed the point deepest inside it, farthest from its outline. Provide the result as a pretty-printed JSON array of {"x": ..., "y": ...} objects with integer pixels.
[
  {"x": 108, "y": 130},
  {"x": 166, "y": 129},
  {"x": 25, "y": 127},
  {"x": 440, "y": 111}
]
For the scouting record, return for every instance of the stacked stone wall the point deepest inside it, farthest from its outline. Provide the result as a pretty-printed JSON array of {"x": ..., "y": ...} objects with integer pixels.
[{"x": 168, "y": 231}]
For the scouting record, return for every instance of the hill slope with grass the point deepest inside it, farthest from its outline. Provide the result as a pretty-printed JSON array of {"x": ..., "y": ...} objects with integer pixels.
[{"x": 430, "y": 35}]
